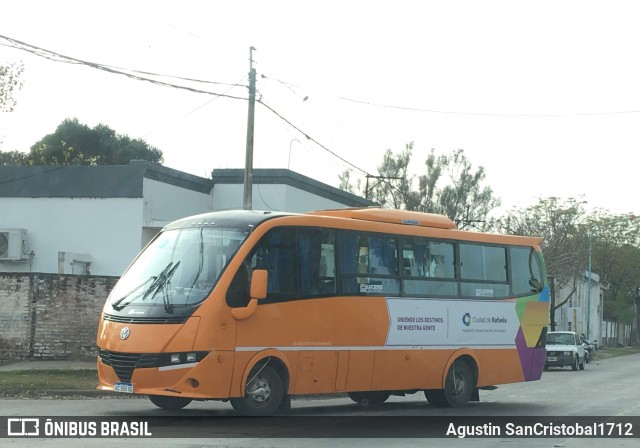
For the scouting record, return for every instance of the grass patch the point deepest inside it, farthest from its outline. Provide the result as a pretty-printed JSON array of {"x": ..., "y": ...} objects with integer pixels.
[
  {"x": 613, "y": 352},
  {"x": 36, "y": 380}
]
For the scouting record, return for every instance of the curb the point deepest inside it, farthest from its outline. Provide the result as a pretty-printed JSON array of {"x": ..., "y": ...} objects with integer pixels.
[
  {"x": 35, "y": 394},
  {"x": 21, "y": 393}
]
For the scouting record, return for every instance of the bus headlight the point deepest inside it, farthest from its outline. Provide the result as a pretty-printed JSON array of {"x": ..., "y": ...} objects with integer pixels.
[{"x": 175, "y": 359}]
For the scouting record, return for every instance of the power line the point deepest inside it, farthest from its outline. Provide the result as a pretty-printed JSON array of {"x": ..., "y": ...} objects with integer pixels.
[
  {"x": 130, "y": 73},
  {"x": 196, "y": 109},
  {"x": 58, "y": 57},
  {"x": 476, "y": 114},
  {"x": 382, "y": 179},
  {"x": 261, "y": 101},
  {"x": 315, "y": 106}
]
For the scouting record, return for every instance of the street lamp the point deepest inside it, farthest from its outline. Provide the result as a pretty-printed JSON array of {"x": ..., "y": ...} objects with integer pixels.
[{"x": 290, "y": 143}]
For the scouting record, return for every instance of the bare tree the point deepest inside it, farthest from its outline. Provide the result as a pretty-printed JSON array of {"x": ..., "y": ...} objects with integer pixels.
[
  {"x": 561, "y": 224},
  {"x": 450, "y": 186}
]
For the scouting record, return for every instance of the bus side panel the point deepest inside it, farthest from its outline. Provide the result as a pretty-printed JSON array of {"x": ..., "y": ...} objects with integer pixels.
[
  {"x": 499, "y": 367},
  {"x": 214, "y": 374},
  {"x": 410, "y": 369},
  {"x": 360, "y": 370},
  {"x": 330, "y": 322},
  {"x": 316, "y": 372},
  {"x": 342, "y": 370},
  {"x": 218, "y": 327}
]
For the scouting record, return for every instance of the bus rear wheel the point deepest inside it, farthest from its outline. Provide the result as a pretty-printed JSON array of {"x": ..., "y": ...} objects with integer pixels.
[
  {"x": 263, "y": 394},
  {"x": 367, "y": 398},
  {"x": 458, "y": 387},
  {"x": 169, "y": 403}
]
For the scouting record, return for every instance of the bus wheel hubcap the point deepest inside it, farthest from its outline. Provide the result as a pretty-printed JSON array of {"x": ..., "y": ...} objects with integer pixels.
[{"x": 260, "y": 390}]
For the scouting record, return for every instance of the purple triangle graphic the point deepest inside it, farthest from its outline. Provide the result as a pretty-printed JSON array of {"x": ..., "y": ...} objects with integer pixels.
[{"x": 532, "y": 359}]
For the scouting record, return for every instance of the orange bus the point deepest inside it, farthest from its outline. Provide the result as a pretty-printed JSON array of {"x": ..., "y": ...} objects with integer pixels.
[{"x": 254, "y": 307}]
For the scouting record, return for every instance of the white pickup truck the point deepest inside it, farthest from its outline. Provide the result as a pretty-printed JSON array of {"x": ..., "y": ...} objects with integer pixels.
[{"x": 564, "y": 349}]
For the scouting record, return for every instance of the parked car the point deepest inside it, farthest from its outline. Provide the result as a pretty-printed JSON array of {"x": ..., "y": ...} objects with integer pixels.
[{"x": 564, "y": 349}]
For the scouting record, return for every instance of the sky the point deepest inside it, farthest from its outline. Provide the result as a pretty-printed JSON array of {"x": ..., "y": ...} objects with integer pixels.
[{"x": 545, "y": 95}]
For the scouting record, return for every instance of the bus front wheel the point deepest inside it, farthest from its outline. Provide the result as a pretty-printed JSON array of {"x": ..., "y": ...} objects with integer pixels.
[
  {"x": 458, "y": 388},
  {"x": 169, "y": 403},
  {"x": 263, "y": 395}
]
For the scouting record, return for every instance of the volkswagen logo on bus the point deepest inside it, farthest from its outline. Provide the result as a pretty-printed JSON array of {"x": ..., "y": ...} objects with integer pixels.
[{"x": 124, "y": 333}]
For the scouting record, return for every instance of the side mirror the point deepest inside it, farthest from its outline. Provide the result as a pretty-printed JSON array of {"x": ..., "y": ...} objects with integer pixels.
[
  {"x": 535, "y": 284},
  {"x": 259, "y": 284},
  {"x": 258, "y": 291}
]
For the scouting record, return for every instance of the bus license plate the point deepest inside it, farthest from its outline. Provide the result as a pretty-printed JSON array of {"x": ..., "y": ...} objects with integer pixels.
[
  {"x": 124, "y": 387},
  {"x": 552, "y": 358}
]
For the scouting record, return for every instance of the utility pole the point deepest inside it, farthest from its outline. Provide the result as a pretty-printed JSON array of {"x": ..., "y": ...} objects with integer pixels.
[
  {"x": 248, "y": 167},
  {"x": 466, "y": 221},
  {"x": 589, "y": 289},
  {"x": 380, "y": 179}
]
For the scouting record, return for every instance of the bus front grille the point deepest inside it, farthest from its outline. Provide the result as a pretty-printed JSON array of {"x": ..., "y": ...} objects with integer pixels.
[{"x": 125, "y": 363}]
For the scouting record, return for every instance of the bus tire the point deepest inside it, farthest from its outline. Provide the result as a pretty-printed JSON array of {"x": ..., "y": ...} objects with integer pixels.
[
  {"x": 169, "y": 403},
  {"x": 458, "y": 387},
  {"x": 435, "y": 397},
  {"x": 263, "y": 395},
  {"x": 367, "y": 398}
]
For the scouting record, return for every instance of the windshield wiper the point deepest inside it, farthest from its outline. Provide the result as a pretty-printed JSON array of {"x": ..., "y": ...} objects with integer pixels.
[
  {"x": 121, "y": 299},
  {"x": 158, "y": 282}
]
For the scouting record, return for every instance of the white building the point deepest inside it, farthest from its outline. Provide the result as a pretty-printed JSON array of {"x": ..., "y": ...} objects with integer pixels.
[
  {"x": 95, "y": 219},
  {"x": 583, "y": 312}
]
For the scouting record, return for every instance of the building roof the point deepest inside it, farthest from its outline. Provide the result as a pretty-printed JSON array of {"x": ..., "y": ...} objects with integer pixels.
[
  {"x": 283, "y": 176},
  {"x": 126, "y": 181},
  {"x": 101, "y": 181}
]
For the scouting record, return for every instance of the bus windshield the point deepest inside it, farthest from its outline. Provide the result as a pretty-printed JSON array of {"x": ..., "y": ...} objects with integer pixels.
[{"x": 179, "y": 268}]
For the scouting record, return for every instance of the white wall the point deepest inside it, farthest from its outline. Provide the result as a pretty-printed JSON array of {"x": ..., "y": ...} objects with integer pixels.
[
  {"x": 108, "y": 230},
  {"x": 576, "y": 312},
  {"x": 164, "y": 203},
  {"x": 271, "y": 197}
]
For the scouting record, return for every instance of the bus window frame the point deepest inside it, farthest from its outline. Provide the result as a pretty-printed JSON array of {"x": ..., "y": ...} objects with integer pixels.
[
  {"x": 456, "y": 269},
  {"x": 339, "y": 233},
  {"x": 341, "y": 275}
]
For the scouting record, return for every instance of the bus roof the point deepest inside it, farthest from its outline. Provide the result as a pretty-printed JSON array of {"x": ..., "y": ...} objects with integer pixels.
[
  {"x": 391, "y": 216},
  {"x": 232, "y": 218},
  {"x": 442, "y": 225}
]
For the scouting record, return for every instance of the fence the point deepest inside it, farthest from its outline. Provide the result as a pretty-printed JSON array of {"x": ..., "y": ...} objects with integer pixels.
[
  {"x": 50, "y": 316},
  {"x": 615, "y": 334}
]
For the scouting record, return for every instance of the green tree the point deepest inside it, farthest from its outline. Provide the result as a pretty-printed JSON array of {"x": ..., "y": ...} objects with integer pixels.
[
  {"x": 76, "y": 143},
  {"x": 10, "y": 82},
  {"x": 392, "y": 187},
  {"x": 463, "y": 197},
  {"x": 450, "y": 186},
  {"x": 615, "y": 242},
  {"x": 561, "y": 224},
  {"x": 13, "y": 158}
]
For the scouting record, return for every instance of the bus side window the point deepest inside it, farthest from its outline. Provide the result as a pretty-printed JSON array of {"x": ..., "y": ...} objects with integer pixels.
[
  {"x": 317, "y": 262},
  {"x": 277, "y": 255},
  {"x": 368, "y": 263},
  {"x": 483, "y": 271},
  {"x": 526, "y": 276}
]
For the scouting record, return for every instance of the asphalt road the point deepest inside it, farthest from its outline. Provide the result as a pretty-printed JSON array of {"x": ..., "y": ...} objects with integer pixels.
[{"x": 608, "y": 388}]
